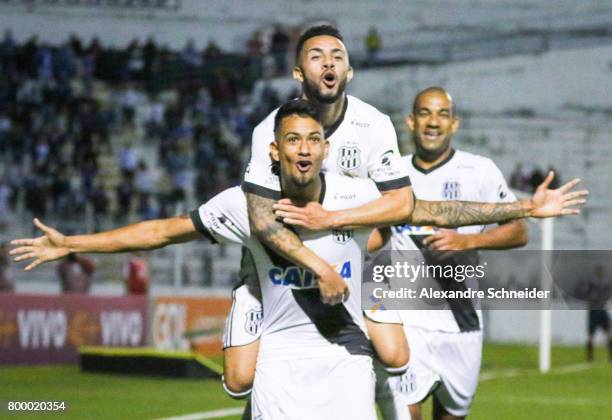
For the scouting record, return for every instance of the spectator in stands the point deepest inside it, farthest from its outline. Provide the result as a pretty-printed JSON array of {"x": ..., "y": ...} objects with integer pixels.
[
  {"x": 279, "y": 46},
  {"x": 190, "y": 55},
  {"x": 128, "y": 161},
  {"x": 535, "y": 179},
  {"x": 123, "y": 195},
  {"x": 519, "y": 179},
  {"x": 150, "y": 56},
  {"x": 136, "y": 274},
  {"x": 373, "y": 44},
  {"x": 597, "y": 291},
  {"x": 212, "y": 51},
  {"x": 6, "y": 280},
  {"x": 75, "y": 273},
  {"x": 99, "y": 200},
  {"x": 5, "y": 197},
  {"x": 136, "y": 63}
]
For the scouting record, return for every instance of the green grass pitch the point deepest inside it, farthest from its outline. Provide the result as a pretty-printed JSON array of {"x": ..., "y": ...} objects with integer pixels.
[{"x": 511, "y": 388}]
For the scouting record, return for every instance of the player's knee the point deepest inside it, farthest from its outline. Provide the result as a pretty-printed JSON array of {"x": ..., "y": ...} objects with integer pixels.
[{"x": 395, "y": 355}]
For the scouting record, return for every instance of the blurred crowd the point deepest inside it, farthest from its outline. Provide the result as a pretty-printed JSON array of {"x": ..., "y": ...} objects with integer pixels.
[{"x": 65, "y": 123}]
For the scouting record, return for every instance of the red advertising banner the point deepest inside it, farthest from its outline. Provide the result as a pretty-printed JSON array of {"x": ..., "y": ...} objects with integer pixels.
[
  {"x": 40, "y": 329},
  {"x": 189, "y": 323}
]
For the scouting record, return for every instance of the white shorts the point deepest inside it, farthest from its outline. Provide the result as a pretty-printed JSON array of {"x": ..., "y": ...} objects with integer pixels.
[
  {"x": 333, "y": 388},
  {"x": 243, "y": 323},
  {"x": 444, "y": 364}
]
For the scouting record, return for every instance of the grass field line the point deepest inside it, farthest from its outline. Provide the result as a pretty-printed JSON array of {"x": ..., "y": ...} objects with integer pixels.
[
  {"x": 214, "y": 414},
  {"x": 510, "y": 373}
]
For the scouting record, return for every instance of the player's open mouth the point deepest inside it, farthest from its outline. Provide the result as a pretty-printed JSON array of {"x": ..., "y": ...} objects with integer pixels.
[
  {"x": 431, "y": 135},
  {"x": 329, "y": 79},
  {"x": 304, "y": 165}
]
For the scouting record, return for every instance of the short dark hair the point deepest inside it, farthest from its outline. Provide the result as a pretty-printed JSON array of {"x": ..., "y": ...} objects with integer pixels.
[
  {"x": 300, "y": 107},
  {"x": 315, "y": 31}
]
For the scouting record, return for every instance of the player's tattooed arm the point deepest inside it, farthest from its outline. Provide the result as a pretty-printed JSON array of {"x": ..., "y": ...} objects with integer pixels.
[
  {"x": 544, "y": 203},
  {"x": 462, "y": 213},
  {"x": 269, "y": 230},
  {"x": 286, "y": 243}
]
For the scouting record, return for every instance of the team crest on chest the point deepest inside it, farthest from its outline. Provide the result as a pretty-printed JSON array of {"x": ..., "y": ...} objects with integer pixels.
[
  {"x": 349, "y": 157},
  {"x": 451, "y": 190},
  {"x": 342, "y": 236}
]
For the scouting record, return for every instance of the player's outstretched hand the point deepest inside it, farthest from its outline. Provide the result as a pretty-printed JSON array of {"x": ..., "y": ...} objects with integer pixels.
[
  {"x": 333, "y": 288},
  {"x": 48, "y": 247},
  {"x": 312, "y": 216},
  {"x": 559, "y": 202}
]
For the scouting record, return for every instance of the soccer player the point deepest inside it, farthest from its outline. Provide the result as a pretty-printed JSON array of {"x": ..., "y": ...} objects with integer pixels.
[
  {"x": 363, "y": 144},
  {"x": 446, "y": 345}
]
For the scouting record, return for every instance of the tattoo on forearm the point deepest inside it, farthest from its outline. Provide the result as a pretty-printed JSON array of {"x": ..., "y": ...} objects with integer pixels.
[
  {"x": 267, "y": 229},
  {"x": 463, "y": 213}
]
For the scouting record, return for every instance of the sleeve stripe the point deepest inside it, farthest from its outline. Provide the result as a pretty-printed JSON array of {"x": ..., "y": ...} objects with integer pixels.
[
  {"x": 251, "y": 188},
  {"x": 197, "y": 222},
  {"x": 394, "y": 184}
]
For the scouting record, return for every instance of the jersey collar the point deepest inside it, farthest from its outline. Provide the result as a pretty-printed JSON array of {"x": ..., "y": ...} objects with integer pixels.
[
  {"x": 436, "y": 166},
  {"x": 323, "y": 188}
]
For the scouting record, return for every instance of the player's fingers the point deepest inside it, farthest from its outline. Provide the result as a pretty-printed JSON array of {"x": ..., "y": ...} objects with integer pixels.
[
  {"x": 576, "y": 202},
  {"x": 285, "y": 213},
  {"x": 576, "y": 194},
  {"x": 25, "y": 241},
  {"x": 284, "y": 201},
  {"x": 25, "y": 256},
  {"x": 569, "y": 185},
  {"x": 40, "y": 225},
  {"x": 294, "y": 222},
  {"x": 287, "y": 208},
  {"x": 547, "y": 180},
  {"x": 36, "y": 263},
  {"x": 432, "y": 238},
  {"x": 437, "y": 245},
  {"x": 21, "y": 250},
  {"x": 570, "y": 212}
]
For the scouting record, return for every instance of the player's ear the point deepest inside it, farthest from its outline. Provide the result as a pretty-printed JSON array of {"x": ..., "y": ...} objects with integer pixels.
[
  {"x": 325, "y": 149},
  {"x": 410, "y": 122},
  {"x": 274, "y": 151},
  {"x": 349, "y": 74},
  {"x": 455, "y": 125},
  {"x": 298, "y": 75}
]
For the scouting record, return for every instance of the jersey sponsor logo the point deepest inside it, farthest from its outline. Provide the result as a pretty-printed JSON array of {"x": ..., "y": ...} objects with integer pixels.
[
  {"x": 360, "y": 124},
  {"x": 345, "y": 196},
  {"x": 300, "y": 278},
  {"x": 386, "y": 158},
  {"x": 349, "y": 157},
  {"x": 254, "y": 318},
  {"x": 342, "y": 236},
  {"x": 451, "y": 190}
]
